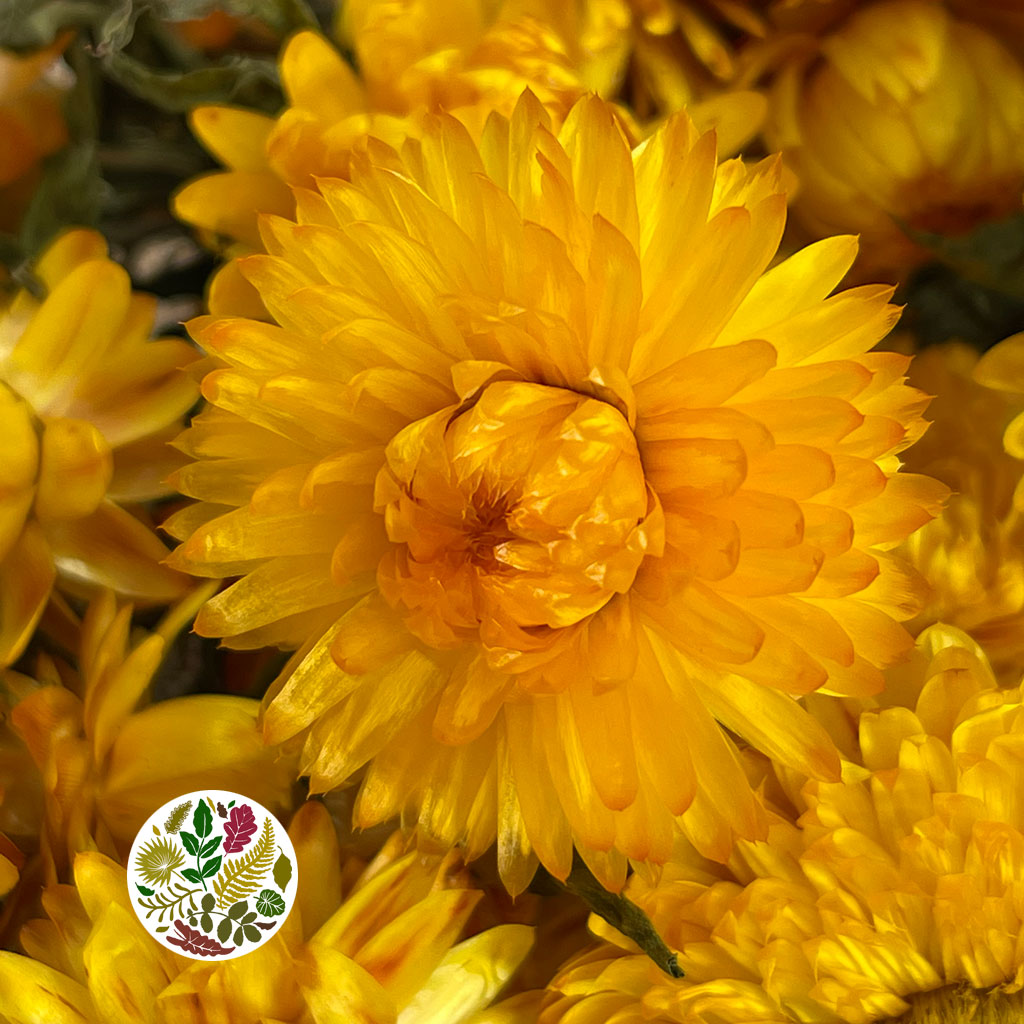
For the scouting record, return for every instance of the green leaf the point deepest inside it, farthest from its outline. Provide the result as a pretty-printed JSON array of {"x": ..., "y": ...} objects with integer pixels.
[
  {"x": 224, "y": 930},
  {"x": 162, "y": 928},
  {"x": 237, "y": 79},
  {"x": 239, "y": 935},
  {"x": 282, "y": 872},
  {"x": 210, "y": 847},
  {"x": 208, "y": 901},
  {"x": 249, "y": 918},
  {"x": 144, "y": 890},
  {"x": 252, "y": 934},
  {"x": 190, "y": 842},
  {"x": 211, "y": 867},
  {"x": 202, "y": 820},
  {"x": 270, "y": 903},
  {"x": 206, "y": 923},
  {"x": 230, "y": 805},
  {"x": 237, "y": 910},
  {"x": 192, "y": 875}
]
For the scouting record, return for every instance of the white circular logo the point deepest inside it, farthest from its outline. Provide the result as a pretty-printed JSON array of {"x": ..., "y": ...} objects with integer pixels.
[{"x": 212, "y": 875}]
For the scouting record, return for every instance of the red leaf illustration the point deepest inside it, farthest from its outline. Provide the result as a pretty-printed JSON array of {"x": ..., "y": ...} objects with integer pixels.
[
  {"x": 193, "y": 941},
  {"x": 239, "y": 828}
]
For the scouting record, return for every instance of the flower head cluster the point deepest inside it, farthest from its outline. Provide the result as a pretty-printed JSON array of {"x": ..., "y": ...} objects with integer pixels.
[
  {"x": 542, "y": 476},
  {"x": 899, "y": 881}
]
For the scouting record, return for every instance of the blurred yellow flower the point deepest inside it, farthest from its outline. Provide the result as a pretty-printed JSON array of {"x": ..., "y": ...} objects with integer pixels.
[
  {"x": 386, "y": 950},
  {"x": 542, "y": 473},
  {"x": 896, "y": 894},
  {"x": 898, "y": 117},
  {"x": 105, "y": 763},
  {"x": 31, "y": 126},
  {"x": 87, "y": 403},
  {"x": 972, "y": 555},
  {"x": 469, "y": 57}
]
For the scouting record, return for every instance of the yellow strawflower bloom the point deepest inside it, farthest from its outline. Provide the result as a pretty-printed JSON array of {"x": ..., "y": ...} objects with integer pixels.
[
  {"x": 87, "y": 403},
  {"x": 897, "y": 116},
  {"x": 104, "y": 762},
  {"x": 895, "y": 895},
  {"x": 31, "y": 126},
  {"x": 542, "y": 473},
  {"x": 972, "y": 555},
  {"x": 384, "y": 950}
]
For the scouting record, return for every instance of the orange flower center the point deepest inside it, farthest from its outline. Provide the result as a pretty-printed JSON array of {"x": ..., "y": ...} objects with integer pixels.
[{"x": 527, "y": 510}]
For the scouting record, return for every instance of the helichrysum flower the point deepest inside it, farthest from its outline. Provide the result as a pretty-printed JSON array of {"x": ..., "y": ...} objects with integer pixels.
[
  {"x": 973, "y": 554},
  {"x": 542, "y": 473},
  {"x": 386, "y": 949},
  {"x": 895, "y": 895},
  {"x": 898, "y": 117},
  {"x": 86, "y": 403},
  {"x": 106, "y": 757}
]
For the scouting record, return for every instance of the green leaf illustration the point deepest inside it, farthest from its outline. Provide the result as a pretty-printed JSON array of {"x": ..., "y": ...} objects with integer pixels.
[
  {"x": 208, "y": 901},
  {"x": 239, "y": 935},
  {"x": 177, "y": 817},
  {"x": 170, "y": 901},
  {"x": 162, "y": 928},
  {"x": 249, "y": 918},
  {"x": 252, "y": 934},
  {"x": 158, "y": 860},
  {"x": 224, "y": 929},
  {"x": 208, "y": 848},
  {"x": 144, "y": 890},
  {"x": 202, "y": 820},
  {"x": 238, "y": 909},
  {"x": 270, "y": 903},
  {"x": 206, "y": 923},
  {"x": 192, "y": 875},
  {"x": 242, "y": 876},
  {"x": 190, "y": 842},
  {"x": 282, "y": 872},
  {"x": 211, "y": 867}
]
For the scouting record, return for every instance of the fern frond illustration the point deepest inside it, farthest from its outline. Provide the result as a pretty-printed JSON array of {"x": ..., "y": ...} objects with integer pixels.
[
  {"x": 241, "y": 876},
  {"x": 177, "y": 817},
  {"x": 158, "y": 860},
  {"x": 171, "y": 901}
]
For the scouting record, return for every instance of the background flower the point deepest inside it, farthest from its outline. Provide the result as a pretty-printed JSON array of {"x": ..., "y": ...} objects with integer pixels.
[
  {"x": 894, "y": 892},
  {"x": 86, "y": 404},
  {"x": 389, "y": 944}
]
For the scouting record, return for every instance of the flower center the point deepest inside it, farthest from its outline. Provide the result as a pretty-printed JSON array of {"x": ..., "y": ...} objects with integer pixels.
[{"x": 528, "y": 510}]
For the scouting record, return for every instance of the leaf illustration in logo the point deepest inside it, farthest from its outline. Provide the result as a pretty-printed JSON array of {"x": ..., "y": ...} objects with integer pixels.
[
  {"x": 241, "y": 825},
  {"x": 202, "y": 820},
  {"x": 221, "y": 810},
  {"x": 270, "y": 903},
  {"x": 209, "y": 848},
  {"x": 144, "y": 890},
  {"x": 190, "y": 842},
  {"x": 211, "y": 867},
  {"x": 177, "y": 817},
  {"x": 282, "y": 872},
  {"x": 158, "y": 860},
  {"x": 242, "y": 876},
  {"x": 193, "y": 941}
]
